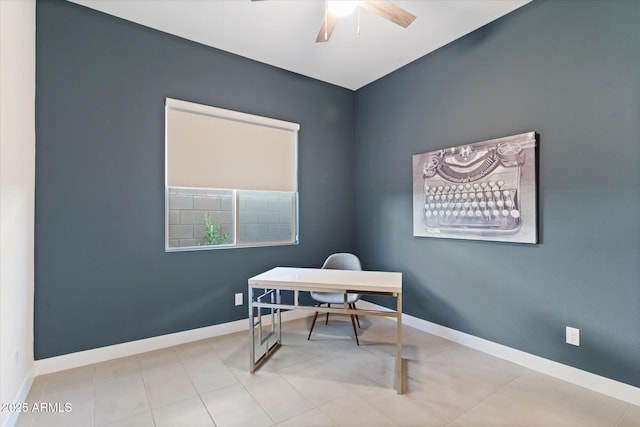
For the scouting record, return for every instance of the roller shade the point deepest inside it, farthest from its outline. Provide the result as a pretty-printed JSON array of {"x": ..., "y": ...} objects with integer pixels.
[{"x": 208, "y": 147}]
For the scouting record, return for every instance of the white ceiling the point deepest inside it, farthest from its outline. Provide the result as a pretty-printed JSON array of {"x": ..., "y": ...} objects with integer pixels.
[{"x": 283, "y": 32}]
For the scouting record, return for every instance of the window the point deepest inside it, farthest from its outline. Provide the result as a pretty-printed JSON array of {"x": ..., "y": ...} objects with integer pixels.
[{"x": 231, "y": 178}]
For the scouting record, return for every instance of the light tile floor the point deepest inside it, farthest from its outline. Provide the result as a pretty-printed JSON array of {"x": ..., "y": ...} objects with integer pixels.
[{"x": 327, "y": 381}]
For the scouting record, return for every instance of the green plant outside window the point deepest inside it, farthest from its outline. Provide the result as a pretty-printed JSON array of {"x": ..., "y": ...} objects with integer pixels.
[{"x": 212, "y": 235}]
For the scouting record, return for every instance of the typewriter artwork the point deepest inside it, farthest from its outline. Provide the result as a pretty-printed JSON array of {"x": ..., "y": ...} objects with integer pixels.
[{"x": 480, "y": 191}]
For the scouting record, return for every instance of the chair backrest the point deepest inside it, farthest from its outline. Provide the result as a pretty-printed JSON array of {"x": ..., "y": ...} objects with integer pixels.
[{"x": 342, "y": 261}]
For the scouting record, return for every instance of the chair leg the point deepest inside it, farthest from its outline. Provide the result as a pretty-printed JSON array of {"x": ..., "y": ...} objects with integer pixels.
[
  {"x": 355, "y": 332},
  {"x": 327, "y": 321},
  {"x": 357, "y": 319},
  {"x": 313, "y": 324}
]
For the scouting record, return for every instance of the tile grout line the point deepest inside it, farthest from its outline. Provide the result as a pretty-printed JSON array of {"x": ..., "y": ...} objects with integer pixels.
[
  {"x": 146, "y": 393},
  {"x": 232, "y": 373},
  {"x": 487, "y": 398},
  {"x": 305, "y": 396},
  {"x": 258, "y": 403},
  {"x": 194, "y": 386},
  {"x": 139, "y": 372},
  {"x": 621, "y": 417},
  {"x": 245, "y": 389}
]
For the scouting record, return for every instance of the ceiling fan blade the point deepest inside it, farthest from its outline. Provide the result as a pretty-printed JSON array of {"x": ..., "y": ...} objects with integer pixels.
[
  {"x": 389, "y": 11},
  {"x": 328, "y": 24}
]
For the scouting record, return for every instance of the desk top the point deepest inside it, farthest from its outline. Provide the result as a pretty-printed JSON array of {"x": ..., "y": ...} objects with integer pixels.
[{"x": 326, "y": 280}]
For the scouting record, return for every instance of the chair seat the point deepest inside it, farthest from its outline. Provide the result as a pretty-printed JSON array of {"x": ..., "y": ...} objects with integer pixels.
[
  {"x": 329, "y": 298},
  {"x": 338, "y": 261}
]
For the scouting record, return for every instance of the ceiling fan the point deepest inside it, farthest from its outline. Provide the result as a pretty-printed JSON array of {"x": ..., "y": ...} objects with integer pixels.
[{"x": 338, "y": 8}]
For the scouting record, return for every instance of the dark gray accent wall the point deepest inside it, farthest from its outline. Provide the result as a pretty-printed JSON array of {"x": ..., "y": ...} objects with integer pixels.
[
  {"x": 101, "y": 274},
  {"x": 571, "y": 72}
]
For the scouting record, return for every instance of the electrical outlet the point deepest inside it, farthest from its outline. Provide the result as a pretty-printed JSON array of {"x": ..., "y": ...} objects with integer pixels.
[
  {"x": 239, "y": 299},
  {"x": 573, "y": 336}
]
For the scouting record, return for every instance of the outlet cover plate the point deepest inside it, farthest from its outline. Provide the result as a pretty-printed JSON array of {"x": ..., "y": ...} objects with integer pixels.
[
  {"x": 238, "y": 299},
  {"x": 573, "y": 336}
]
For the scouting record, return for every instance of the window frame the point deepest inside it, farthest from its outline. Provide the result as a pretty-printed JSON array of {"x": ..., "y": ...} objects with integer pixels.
[{"x": 200, "y": 109}]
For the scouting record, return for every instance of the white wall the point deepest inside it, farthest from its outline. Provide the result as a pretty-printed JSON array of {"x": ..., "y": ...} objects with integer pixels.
[{"x": 17, "y": 181}]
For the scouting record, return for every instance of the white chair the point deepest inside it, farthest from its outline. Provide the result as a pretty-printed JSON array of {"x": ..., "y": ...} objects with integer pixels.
[{"x": 339, "y": 261}]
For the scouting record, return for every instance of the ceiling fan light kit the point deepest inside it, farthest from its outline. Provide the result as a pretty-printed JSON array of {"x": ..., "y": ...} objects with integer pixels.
[
  {"x": 335, "y": 9},
  {"x": 341, "y": 8}
]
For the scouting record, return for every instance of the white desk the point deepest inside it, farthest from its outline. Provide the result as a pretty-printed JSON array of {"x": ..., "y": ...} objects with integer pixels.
[{"x": 274, "y": 281}]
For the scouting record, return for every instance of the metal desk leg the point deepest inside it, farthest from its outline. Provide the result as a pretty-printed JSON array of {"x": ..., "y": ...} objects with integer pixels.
[
  {"x": 399, "y": 370},
  {"x": 255, "y": 309},
  {"x": 279, "y": 316},
  {"x": 252, "y": 337}
]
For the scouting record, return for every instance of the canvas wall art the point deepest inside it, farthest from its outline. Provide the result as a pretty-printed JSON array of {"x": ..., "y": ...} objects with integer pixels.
[{"x": 480, "y": 191}]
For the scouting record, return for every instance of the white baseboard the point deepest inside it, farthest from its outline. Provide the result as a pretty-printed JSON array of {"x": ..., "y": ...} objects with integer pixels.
[
  {"x": 102, "y": 354},
  {"x": 609, "y": 387},
  {"x": 597, "y": 383},
  {"x": 12, "y": 418}
]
